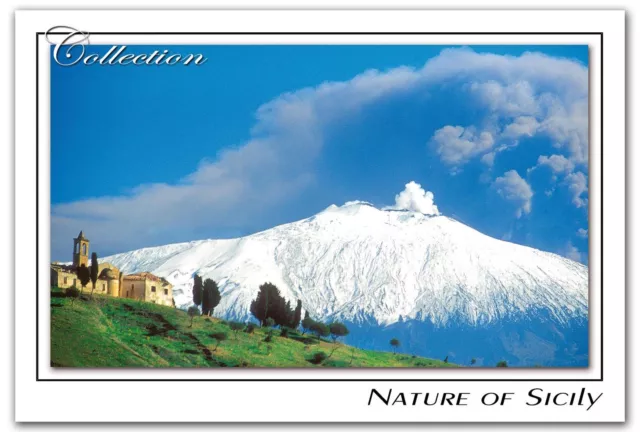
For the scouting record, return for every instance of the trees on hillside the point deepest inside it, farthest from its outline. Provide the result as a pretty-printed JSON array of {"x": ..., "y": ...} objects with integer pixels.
[
  {"x": 94, "y": 272},
  {"x": 319, "y": 329},
  {"x": 210, "y": 297},
  {"x": 297, "y": 315},
  {"x": 236, "y": 327},
  {"x": 269, "y": 303},
  {"x": 338, "y": 330},
  {"x": 84, "y": 276},
  {"x": 306, "y": 322},
  {"x": 193, "y": 311},
  {"x": 395, "y": 343},
  {"x": 218, "y": 337},
  {"x": 197, "y": 290}
]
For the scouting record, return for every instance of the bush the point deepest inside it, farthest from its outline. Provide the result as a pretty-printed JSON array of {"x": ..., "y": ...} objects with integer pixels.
[
  {"x": 236, "y": 327},
  {"x": 337, "y": 330},
  {"x": 219, "y": 337},
  {"x": 317, "y": 358},
  {"x": 250, "y": 328},
  {"x": 284, "y": 332},
  {"x": 319, "y": 329},
  {"x": 269, "y": 337},
  {"x": 73, "y": 292},
  {"x": 270, "y": 322},
  {"x": 502, "y": 363}
]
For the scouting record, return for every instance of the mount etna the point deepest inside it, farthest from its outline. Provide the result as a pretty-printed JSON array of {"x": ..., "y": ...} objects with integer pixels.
[{"x": 442, "y": 288}]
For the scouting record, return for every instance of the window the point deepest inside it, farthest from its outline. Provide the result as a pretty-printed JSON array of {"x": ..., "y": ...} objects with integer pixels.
[
  {"x": 153, "y": 289},
  {"x": 104, "y": 287},
  {"x": 84, "y": 249},
  {"x": 166, "y": 291},
  {"x": 126, "y": 294},
  {"x": 65, "y": 280}
]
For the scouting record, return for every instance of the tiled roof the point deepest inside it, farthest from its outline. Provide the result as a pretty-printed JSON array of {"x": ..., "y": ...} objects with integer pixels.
[{"x": 144, "y": 276}]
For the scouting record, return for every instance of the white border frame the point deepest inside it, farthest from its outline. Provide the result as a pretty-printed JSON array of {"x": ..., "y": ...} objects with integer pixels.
[{"x": 610, "y": 23}]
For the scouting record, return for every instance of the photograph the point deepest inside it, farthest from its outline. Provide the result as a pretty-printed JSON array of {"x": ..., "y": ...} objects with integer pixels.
[{"x": 319, "y": 206}]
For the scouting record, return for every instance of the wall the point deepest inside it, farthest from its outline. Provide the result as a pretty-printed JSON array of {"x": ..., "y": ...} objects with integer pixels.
[
  {"x": 158, "y": 297},
  {"x": 58, "y": 279},
  {"x": 134, "y": 289}
]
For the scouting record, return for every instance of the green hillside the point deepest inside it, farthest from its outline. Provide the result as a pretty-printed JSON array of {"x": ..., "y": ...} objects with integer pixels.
[{"x": 117, "y": 332}]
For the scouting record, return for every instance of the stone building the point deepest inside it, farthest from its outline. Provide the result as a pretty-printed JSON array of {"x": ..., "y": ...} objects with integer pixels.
[
  {"x": 148, "y": 287},
  {"x": 111, "y": 281}
]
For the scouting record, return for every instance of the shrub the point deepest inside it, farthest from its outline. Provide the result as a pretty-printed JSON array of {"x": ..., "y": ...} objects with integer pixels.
[
  {"x": 502, "y": 363},
  {"x": 446, "y": 359},
  {"x": 270, "y": 322},
  {"x": 395, "y": 343},
  {"x": 319, "y": 329},
  {"x": 73, "y": 293},
  {"x": 236, "y": 327},
  {"x": 269, "y": 337},
  {"x": 250, "y": 327},
  {"x": 193, "y": 311},
  {"x": 473, "y": 361},
  {"x": 338, "y": 330},
  {"x": 284, "y": 332},
  {"x": 219, "y": 337},
  {"x": 317, "y": 358}
]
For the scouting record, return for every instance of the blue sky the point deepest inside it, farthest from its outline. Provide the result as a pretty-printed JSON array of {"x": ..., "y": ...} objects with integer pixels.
[{"x": 263, "y": 135}]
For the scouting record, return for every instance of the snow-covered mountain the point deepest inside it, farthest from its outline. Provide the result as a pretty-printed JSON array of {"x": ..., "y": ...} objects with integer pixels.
[{"x": 441, "y": 287}]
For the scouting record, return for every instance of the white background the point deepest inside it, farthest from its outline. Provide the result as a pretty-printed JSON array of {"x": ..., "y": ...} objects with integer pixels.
[{"x": 214, "y": 391}]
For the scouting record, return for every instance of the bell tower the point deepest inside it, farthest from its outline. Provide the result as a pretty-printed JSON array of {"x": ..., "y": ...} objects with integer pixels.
[{"x": 80, "y": 251}]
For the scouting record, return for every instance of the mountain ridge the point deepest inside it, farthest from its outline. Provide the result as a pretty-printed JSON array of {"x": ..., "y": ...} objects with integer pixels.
[{"x": 378, "y": 267}]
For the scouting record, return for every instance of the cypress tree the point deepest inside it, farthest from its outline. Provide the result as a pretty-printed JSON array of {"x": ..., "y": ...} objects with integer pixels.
[
  {"x": 210, "y": 297},
  {"x": 297, "y": 314},
  {"x": 197, "y": 290},
  {"x": 94, "y": 271}
]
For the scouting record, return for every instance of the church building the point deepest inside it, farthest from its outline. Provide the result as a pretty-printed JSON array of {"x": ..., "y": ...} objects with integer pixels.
[{"x": 111, "y": 281}]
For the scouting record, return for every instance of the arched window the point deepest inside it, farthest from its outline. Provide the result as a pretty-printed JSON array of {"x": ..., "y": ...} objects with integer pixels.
[{"x": 84, "y": 249}]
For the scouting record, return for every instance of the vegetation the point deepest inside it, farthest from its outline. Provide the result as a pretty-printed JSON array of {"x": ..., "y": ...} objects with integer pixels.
[
  {"x": 193, "y": 311},
  {"x": 121, "y": 332},
  {"x": 94, "y": 272},
  {"x": 84, "y": 276},
  {"x": 210, "y": 297},
  {"x": 306, "y": 322},
  {"x": 236, "y": 327},
  {"x": 269, "y": 304},
  {"x": 337, "y": 330},
  {"x": 197, "y": 290},
  {"x": 502, "y": 363},
  {"x": 218, "y": 337},
  {"x": 395, "y": 343},
  {"x": 318, "y": 358},
  {"x": 73, "y": 293},
  {"x": 319, "y": 329}
]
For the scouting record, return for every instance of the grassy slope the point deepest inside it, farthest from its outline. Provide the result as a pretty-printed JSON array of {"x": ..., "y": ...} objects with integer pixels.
[{"x": 115, "y": 332}]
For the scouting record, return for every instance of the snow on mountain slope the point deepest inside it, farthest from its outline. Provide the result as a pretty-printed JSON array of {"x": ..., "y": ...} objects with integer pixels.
[{"x": 361, "y": 264}]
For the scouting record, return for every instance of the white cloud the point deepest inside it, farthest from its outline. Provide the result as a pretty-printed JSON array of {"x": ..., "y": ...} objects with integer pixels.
[
  {"x": 583, "y": 233},
  {"x": 521, "y": 126},
  {"x": 572, "y": 252},
  {"x": 527, "y": 96},
  {"x": 415, "y": 198},
  {"x": 456, "y": 144},
  {"x": 514, "y": 188},
  {"x": 577, "y": 184},
  {"x": 489, "y": 158},
  {"x": 557, "y": 163},
  {"x": 276, "y": 161}
]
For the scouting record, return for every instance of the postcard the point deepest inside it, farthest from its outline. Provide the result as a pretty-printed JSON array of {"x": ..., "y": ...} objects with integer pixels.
[{"x": 230, "y": 204}]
